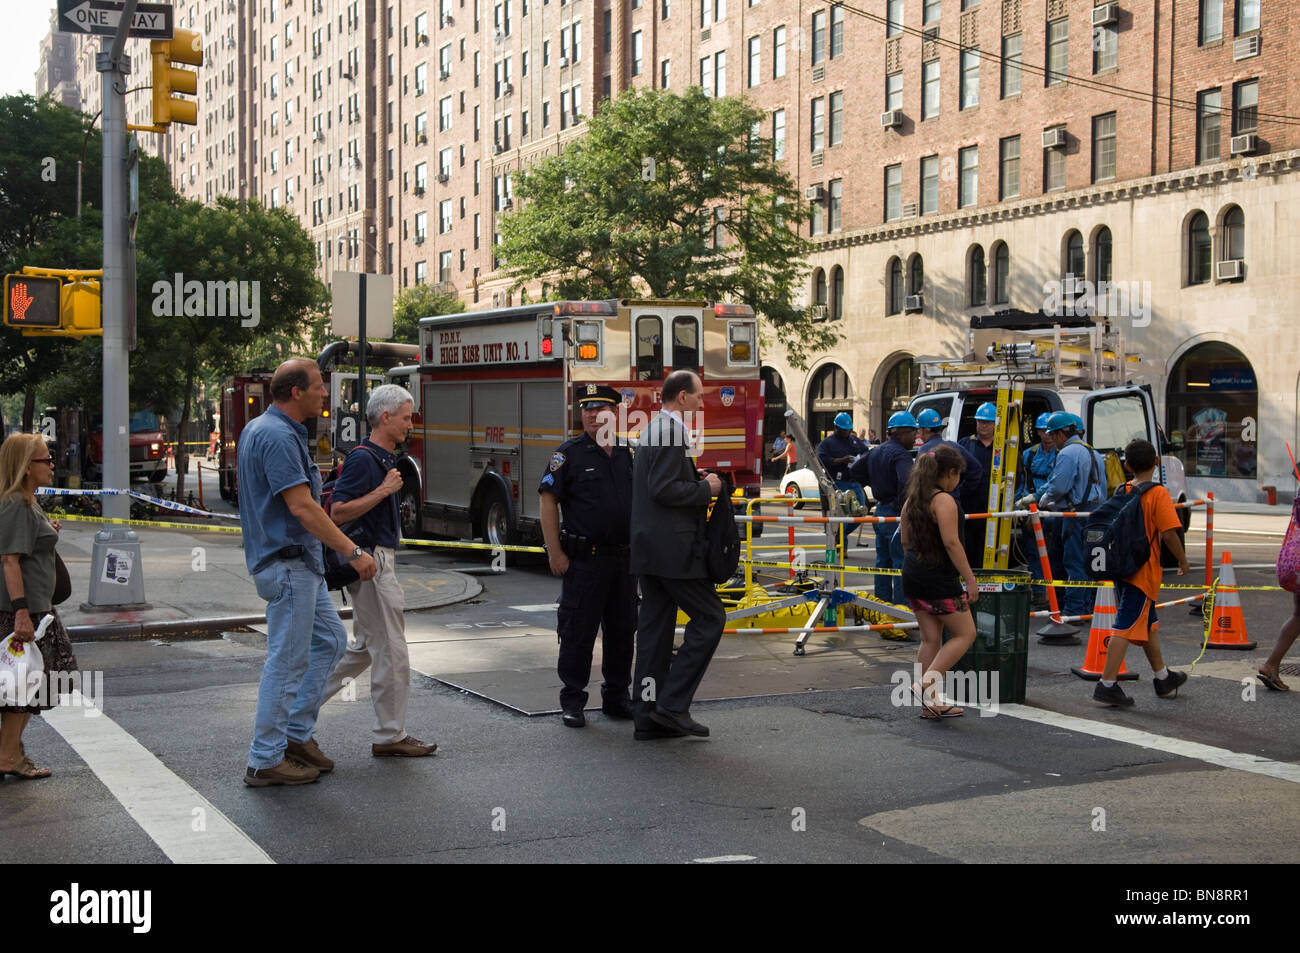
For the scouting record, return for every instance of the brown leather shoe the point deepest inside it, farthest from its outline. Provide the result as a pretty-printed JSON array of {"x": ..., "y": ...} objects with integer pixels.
[
  {"x": 288, "y": 771},
  {"x": 309, "y": 753},
  {"x": 407, "y": 747}
]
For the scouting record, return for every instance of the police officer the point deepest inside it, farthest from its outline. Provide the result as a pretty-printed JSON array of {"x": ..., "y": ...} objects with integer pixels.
[
  {"x": 888, "y": 468},
  {"x": 590, "y": 479},
  {"x": 975, "y": 497}
]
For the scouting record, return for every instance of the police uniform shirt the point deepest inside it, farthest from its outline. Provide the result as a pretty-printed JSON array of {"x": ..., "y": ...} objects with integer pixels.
[{"x": 594, "y": 489}]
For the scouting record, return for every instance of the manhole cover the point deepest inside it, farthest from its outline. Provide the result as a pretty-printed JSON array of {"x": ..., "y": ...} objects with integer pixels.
[{"x": 1293, "y": 669}]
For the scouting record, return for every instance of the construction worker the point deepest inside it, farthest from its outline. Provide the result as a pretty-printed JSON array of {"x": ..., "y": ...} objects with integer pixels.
[
  {"x": 888, "y": 468},
  {"x": 1078, "y": 483},
  {"x": 975, "y": 495},
  {"x": 839, "y": 452},
  {"x": 1035, "y": 467},
  {"x": 929, "y": 431}
]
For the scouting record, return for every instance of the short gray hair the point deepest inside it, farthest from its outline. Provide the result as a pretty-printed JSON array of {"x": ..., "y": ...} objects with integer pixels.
[{"x": 386, "y": 397}]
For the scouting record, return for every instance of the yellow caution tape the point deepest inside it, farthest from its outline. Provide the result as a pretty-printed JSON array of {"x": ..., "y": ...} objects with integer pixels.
[
  {"x": 74, "y": 518},
  {"x": 456, "y": 544}
]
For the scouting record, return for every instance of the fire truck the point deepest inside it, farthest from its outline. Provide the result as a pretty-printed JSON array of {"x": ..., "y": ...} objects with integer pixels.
[
  {"x": 245, "y": 396},
  {"x": 495, "y": 395}
]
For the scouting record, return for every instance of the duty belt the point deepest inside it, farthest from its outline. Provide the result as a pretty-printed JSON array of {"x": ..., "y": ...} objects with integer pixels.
[{"x": 580, "y": 547}]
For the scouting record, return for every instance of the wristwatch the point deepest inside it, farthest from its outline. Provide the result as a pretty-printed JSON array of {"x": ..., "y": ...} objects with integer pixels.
[{"x": 357, "y": 553}]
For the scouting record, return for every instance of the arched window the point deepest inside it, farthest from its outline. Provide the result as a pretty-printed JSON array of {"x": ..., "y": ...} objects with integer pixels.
[
  {"x": 916, "y": 276},
  {"x": 900, "y": 383},
  {"x": 1234, "y": 234},
  {"x": 837, "y": 293},
  {"x": 1074, "y": 262},
  {"x": 894, "y": 302},
  {"x": 819, "y": 288},
  {"x": 1212, "y": 401},
  {"x": 1001, "y": 273},
  {"x": 1200, "y": 253},
  {"x": 829, "y": 392},
  {"x": 1101, "y": 254},
  {"x": 977, "y": 278}
]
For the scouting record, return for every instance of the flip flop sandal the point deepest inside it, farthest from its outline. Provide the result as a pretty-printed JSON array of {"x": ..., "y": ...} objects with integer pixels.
[
  {"x": 26, "y": 771},
  {"x": 1273, "y": 682},
  {"x": 947, "y": 711}
]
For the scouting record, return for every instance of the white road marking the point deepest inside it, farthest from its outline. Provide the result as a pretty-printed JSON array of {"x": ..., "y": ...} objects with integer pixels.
[
  {"x": 1282, "y": 770},
  {"x": 541, "y": 607},
  {"x": 159, "y": 801},
  {"x": 728, "y": 859}
]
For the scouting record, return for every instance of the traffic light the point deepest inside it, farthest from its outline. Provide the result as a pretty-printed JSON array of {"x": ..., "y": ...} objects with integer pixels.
[
  {"x": 47, "y": 306},
  {"x": 32, "y": 302},
  {"x": 185, "y": 46}
]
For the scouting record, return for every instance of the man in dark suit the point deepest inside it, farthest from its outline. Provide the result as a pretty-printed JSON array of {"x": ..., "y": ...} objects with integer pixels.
[{"x": 669, "y": 502}]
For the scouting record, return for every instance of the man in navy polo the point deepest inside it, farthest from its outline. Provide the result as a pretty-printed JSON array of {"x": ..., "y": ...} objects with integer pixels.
[
  {"x": 366, "y": 500},
  {"x": 284, "y": 525},
  {"x": 889, "y": 466}
]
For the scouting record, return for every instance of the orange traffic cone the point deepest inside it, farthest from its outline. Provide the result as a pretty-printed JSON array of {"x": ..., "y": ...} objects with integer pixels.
[
  {"x": 1103, "y": 625},
  {"x": 1227, "y": 626}
]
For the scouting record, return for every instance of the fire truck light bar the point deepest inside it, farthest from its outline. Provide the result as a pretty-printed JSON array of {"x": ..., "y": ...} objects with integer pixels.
[
  {"x": 604, "y": 308},
  {"x": 733, "y": 311}
]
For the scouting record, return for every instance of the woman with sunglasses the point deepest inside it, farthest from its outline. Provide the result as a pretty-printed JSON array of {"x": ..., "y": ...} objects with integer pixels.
[{"x": 27, "y": 539}]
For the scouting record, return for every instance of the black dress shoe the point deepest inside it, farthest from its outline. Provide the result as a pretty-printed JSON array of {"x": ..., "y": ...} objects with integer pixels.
[
  {"x": 681, "y": 721},
  {"x": 653, "y": 732},
  {"x": 615, "y": 710},
  {"x": 574, "y": 719}
]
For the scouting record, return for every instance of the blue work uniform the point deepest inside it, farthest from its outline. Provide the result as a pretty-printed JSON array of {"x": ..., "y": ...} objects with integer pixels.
[
  {"x": 975, "y": 498},
  {"x": 974, "y": 471},
  {"x": 594, "y": 489},
  {"x": 834, "y": 447},
  {"x": 888, "y": 467},
  {"x": 1077, "y": 482},
  {"x": 1035, "y": 467}
]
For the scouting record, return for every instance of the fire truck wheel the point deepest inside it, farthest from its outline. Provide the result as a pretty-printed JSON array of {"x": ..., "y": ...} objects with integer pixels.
[
  {"x": 496, "y": 522},
  {"x": 409, "y": 511}
]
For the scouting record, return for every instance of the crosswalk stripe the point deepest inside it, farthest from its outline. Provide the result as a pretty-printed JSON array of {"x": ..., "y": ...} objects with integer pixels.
[{"x": 162, "y": 804}]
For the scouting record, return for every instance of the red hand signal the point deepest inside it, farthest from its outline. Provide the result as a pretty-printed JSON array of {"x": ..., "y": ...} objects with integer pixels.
[{"x": 20, "y": 301}]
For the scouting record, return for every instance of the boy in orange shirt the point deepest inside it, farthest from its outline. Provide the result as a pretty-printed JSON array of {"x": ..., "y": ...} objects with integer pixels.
[{"x": 1135, "y": 615}]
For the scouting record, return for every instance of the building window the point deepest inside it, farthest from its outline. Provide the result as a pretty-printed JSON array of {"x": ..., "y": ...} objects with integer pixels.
[
  {"x": 930, "y": 11},
  {"x": 1009, "y": 167},
  {"x": 835, "y": 306},
  {"x": 894, "y": 13},
  {"x": 1103, "y": 147},
  {"x": 1102, "y": 255},
  {"x": 1234, "y": 234},
  {"x": 720, "y": 73},
  {"x": 929, "y": 184},
  {"x": 915, "y": 275},
  {"x": 818, "y": 36},
  {"x": 1053, "y": 168},
  {"x": 636, "y": 53},
  {"x": 1011, "y": 65},
  {"x": 1245, "y": 107},
  {"x": 719, "y": 227},
  {"x": 1200, "y": 252},
  {"x": 977, "y": 279},
  {"x": 818, "y": 124},
  {"x": 970, "y": 79},
  {"x": 1058, "y": 39},
  {"x": 778, "y": 52},
  {"x": 894, "y": 304},
  {"x": 778, "y": 134},
  {"x": 663, "y": 74},
  {"x": 837, "y": 118},
  {"x": 819, "y": 288},
  {"x": 894, "y": 91},
  {"x": 706, "y": 75},
  {"x": 1105, "y": 48},
  {"x": 1208, "y": 111},
  {"x": 1247, "y": 16},
  {"x": 1074, "y": 263},
  {"x": 1211, "y": 27},
  {"x": 968, "y": 181},
  {"x": 1212, "y": 397},
  {"x": 834, "y": 204},
  {"x": 754, "y": 77},
  {"x": 1001, "y": 273},
  {"x": 816, "y": 227},
  {"x": 837, "y": 30},
  {"x": 893, "y": 192},
  {"x": 930, "y": 89}
]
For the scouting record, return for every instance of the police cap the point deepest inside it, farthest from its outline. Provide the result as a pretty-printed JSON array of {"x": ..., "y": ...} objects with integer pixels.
[{"x": 597, "y": 395}]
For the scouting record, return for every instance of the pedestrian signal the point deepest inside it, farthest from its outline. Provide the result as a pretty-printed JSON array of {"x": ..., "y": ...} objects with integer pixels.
[
  {"x": 32, "y": 302},
  {"x": 47, "y": 306}
]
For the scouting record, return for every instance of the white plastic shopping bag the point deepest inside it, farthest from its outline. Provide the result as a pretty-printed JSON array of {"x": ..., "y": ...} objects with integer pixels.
[{"x": 22, "y": 668}]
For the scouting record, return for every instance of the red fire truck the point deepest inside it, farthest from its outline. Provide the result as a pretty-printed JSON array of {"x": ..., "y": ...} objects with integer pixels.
[
  {"x": 247, "y": 395},
  {"x": 495, "y": 395}
]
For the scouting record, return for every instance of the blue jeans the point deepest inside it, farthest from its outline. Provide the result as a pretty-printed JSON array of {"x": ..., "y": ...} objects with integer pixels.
[
  {"x": 304, "y": 641},
  {"x": 1075, "y": 601},
  {"x": 889, "y": 555}
]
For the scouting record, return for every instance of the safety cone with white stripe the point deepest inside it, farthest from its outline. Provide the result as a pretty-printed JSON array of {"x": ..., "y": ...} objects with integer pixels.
[
  {"x": 1227, "y": 625},
  {"x": 1103, "y": 627}
]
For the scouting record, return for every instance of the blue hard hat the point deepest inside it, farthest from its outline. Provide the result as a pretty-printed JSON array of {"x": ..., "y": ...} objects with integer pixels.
[
  {"x": 1041, "y": 422},
  {"x": 987, "y": 411},
  {"x": 1059, "y": 420},
  {"x": 1078, "y": 422},
  {"x": 929, "y": 419},
  {"x": 843, "y": 421},
  {"x": 901, "y": 419}
]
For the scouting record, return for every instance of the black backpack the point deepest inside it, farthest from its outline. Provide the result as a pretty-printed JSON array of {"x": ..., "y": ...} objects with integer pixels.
[
  {"x": 1115, "y": 538},
  {"x": 721, "y": 538}
]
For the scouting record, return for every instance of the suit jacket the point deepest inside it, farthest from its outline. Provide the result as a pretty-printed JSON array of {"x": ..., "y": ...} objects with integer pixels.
[{"x": 669, "y": 503}]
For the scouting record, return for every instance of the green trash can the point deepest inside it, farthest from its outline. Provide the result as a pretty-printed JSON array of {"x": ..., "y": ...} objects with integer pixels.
[{"x": 1001, "y": 646}]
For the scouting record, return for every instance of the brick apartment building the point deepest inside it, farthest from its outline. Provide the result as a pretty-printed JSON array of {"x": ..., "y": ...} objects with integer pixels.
[{"x": 961, "y": 155}]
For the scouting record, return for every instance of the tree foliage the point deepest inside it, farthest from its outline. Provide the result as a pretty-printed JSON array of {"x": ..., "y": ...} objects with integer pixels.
[
  {"x": 420, "y": 301},
  {"x": 590, "y": 227}
]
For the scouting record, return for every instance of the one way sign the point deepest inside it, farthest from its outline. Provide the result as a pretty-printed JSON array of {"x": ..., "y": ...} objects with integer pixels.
[{"x": 100, "y": 17}]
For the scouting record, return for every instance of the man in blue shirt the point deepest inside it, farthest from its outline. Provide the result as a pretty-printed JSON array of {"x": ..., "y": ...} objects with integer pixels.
[
  {"x": 1035, "y": 468},
  {"x": 888, "y": 468},
  {"x": 1077, "y": 483},
  {"x": 366, "y": 497},
  {"x": 929, "y": 428},
  {"x": 839, "y": 452},
  {"x": 284, "y": 526}
]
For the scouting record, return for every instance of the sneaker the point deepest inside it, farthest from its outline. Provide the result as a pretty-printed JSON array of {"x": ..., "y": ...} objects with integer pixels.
[
  {"x": 1168, "y": 687},
  {"x": 1111, "y": 696},
  {"x": 309, "y": 753},
  {"x": 407, "y": 747},
  {"x": 288, "y": 771}
]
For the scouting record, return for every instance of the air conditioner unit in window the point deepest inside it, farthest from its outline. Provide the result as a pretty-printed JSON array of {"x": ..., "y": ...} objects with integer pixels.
[
  {"x": 891, "y": 119},
  {"x": 508, "y": 89},
  {"x": 1244, "y": 145},
  {"x": 444, "y": 75},
  {"x": 1245, "y": 47},
  {"x": 1105, "y": 15},
  {"x": 508, "y": 203},
  {"x": 564, "y": 61},
  {"x": 419, "y": 239},
  {"x": 1231, "y": 270},
  {"x": 497, "y": 150},
  {"x": 447, "y": 20},
  {"x": 1054, "y": 138},
  {"x": 318, "y": 137},
  {"x": 817, "y": 312},
  {"x": 419, "y": 190},
  {"x": 443, "y": 178},
  {"x": 421, "y": 39},
  {"x": 814, "y": 193},
  {"x": 421, "y": 139},
  {"x": 912, "y": 304}
]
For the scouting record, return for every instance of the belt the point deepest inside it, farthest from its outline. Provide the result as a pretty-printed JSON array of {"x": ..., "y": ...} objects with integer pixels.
[
  {"x": 579, "y": 547},
  {"x": 291, "y": 552}
]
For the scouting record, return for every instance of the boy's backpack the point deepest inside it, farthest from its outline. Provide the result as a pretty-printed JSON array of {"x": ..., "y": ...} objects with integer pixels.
[{"x": 1116, "y": 544}]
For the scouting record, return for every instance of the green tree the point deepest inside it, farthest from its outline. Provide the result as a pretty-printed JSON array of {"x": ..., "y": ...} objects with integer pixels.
[
  {"x": 420, "y": 301},
  {"x": 589, "y": 226}
]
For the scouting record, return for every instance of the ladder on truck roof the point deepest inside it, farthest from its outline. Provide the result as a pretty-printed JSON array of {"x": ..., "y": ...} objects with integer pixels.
[{"x": 1064, "y": 355}]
